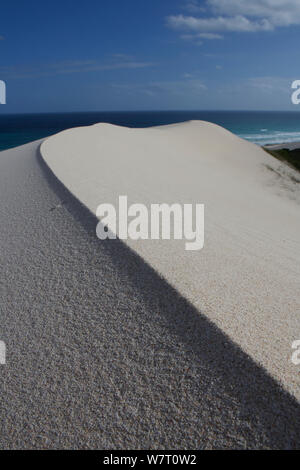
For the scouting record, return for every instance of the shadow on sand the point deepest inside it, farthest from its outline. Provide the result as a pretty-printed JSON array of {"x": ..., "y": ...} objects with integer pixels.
[{"x": 270, "y": 411}]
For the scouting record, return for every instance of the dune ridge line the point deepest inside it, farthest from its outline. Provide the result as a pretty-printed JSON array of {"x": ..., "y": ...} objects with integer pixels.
[{"x": 245, "y": 279}]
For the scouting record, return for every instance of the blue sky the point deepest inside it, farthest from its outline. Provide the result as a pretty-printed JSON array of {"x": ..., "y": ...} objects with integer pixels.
[{"x": 148, "y": 54}]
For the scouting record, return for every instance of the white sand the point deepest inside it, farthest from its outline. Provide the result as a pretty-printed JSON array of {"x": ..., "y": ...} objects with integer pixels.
[
  {"x": 246, "y": 279},
  {"x": 102, "y": 353}
]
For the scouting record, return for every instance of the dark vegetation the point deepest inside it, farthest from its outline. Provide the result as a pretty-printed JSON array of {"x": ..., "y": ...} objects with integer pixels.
[{"x": 291, "y": 157}]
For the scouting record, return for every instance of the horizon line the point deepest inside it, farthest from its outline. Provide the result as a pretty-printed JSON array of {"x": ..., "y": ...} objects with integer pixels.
[{"x": 154, "y": 111}]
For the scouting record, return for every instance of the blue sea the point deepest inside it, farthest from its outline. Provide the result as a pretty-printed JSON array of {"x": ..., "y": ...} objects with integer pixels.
[{"x": 258, "y": 127}]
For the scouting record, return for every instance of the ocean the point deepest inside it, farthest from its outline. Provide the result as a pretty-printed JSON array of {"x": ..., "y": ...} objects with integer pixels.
[{"x": 259, "y": 127}]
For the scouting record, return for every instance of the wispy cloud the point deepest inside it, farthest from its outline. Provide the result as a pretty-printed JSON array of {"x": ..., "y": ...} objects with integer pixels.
[
  {"x": 236, "y": 23},
  {"x": 259, "y": 88},
  {"x": 193, "y": 6},
  {"x": 209, "y": 36},
  {"x": 244, "y": 16},
  {"x": 117, "y": 62},
  {"x": 188, "y": 85},
  {"x": 122, "y": 56},
  {"x": 271, "y": 85},
  {"x": 197, "y": 39},
  {"x": 276, "y": 12}
]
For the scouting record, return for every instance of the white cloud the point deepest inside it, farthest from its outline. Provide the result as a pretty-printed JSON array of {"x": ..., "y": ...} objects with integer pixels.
[
  {"x": 220, "y": 23},
  {"x": 237, "y": 16},
  {"x": 201, "y": 35},
  {"x": 277, "y": 12}
]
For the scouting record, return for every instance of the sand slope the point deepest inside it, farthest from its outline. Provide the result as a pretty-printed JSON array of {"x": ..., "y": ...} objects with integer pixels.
[
  {"x": 246, "y": 279},
  {"x": 101, "y": 351}
]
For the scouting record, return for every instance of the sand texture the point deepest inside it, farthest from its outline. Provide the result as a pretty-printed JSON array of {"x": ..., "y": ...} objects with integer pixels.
[
  {"x": 246, "y": 279},
  {"x": 105, "y": 352}
]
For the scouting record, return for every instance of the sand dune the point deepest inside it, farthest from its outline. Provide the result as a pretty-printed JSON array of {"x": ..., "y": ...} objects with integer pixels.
[
  {"x": 246, "y": 279},
  {"x": 102, "y": 352}
]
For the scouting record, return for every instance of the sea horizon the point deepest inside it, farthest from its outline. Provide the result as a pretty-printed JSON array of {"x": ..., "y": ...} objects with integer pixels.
[{"x": 259, "y": 127}]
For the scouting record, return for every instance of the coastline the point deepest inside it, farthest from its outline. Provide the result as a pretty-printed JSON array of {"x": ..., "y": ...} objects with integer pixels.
[
  {"x": 283, "y": 145},
  {"x": 256, "y": 127}
]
